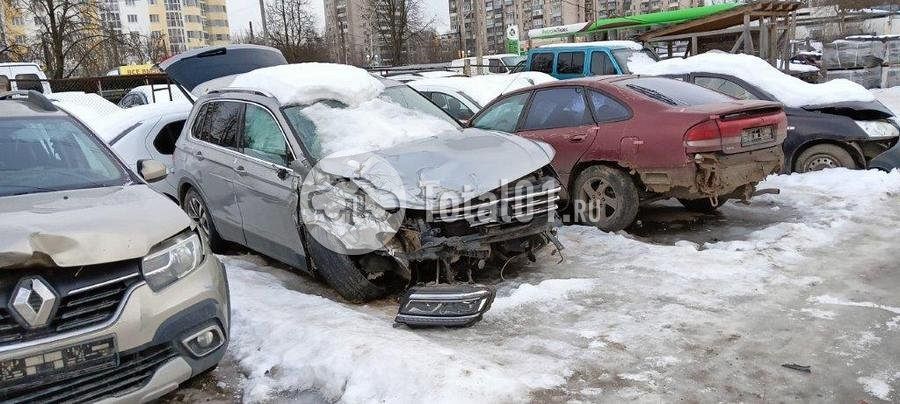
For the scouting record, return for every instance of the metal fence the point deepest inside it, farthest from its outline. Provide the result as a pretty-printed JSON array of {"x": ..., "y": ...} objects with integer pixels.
[{"x": 113, "y": 88}]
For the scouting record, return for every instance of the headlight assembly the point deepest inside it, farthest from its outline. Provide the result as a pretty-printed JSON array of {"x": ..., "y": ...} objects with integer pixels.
[
  {"x": 172, "y": 260},
  {"x": 878, "y": 129}
]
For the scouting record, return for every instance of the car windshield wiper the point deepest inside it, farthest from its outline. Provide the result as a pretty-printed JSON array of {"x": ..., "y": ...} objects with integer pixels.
[{"x": 652, "y": 93}]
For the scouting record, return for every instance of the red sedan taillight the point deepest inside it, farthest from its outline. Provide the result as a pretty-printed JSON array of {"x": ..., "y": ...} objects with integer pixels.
[{"x": 736, "y": 132}]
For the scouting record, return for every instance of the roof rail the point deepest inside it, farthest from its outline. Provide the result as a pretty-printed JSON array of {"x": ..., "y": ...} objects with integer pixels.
[
  {"x": 32, "y": 97},
  {"x": 239, "y": 90}
]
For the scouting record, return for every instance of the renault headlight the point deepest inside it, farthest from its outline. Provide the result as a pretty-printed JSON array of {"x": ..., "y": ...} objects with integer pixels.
[
  {"x": 878, "y": 129},
  {"x": 172, "y": 260}
]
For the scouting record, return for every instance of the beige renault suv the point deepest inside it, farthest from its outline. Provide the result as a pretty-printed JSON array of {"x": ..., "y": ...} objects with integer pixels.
[{"x": 107, "y": 291}]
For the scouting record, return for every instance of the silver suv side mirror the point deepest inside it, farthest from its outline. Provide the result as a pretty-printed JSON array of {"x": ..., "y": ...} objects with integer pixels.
[{"x": 152, "y": 170}]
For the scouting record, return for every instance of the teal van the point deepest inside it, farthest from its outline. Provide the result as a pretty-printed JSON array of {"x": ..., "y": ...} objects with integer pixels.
[{"x": 570, "y": 60}]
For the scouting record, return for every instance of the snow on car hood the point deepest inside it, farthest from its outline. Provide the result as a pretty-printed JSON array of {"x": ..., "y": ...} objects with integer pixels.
[
  {"x": 790, "y": 90},
  {"x": 85, "y": 227},
  {"x": 462, "y": 165}
]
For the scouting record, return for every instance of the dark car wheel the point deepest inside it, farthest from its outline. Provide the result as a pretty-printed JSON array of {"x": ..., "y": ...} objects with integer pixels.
[
  {"x": 196, "y": 209},
  {"x": 341, "y": 272},
  {"x": 605, "y": 197},
  {"x": 701, "y": 205},
  {"x": 822, "y": 156}
]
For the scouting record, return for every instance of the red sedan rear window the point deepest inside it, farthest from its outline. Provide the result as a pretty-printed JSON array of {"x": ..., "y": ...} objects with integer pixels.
[{"x": 673, "y": 92}]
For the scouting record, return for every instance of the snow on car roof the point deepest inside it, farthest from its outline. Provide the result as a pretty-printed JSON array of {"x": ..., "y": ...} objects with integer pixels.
[
  {"x": 89, "y": 108},
  {"x": 608, "y": 44},
  {"x": 485, "y": 88},
  {"x": 113, "y": 124},
  {"x": 305, "y": 83},
  {"x": 791, "y": 91}
]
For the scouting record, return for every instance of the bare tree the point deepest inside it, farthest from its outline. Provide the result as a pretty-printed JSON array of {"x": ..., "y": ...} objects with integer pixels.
[
  {"x": 291, "y": 29},
  {"x": 397, "y": 23},
  {"x": 69, "y": 31}
]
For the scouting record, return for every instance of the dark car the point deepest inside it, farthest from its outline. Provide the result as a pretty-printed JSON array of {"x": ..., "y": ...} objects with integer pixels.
[
  {"x": 621, "y": 140},
  {"x": 846, "y": 134}
]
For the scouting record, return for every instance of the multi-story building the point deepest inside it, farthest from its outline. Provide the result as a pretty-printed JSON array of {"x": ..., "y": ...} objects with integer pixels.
[
  {"x": 13, "y": 25},
  {"x": 178, "y": 24},
  {"x": 597, "y": 9},
  {"x": 347, "y": 33},
  {"x": 499, "y": 14}
]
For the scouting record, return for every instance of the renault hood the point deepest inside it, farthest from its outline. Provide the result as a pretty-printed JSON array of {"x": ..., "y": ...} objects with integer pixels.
[
  {"x": 422, "y": 174},
  {"x": 85, "y": 227}
]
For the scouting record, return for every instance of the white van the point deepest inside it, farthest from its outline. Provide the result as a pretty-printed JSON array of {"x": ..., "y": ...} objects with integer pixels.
[
  {"x": 492, "y": 64},
  {"x": 23, "y": 76}
]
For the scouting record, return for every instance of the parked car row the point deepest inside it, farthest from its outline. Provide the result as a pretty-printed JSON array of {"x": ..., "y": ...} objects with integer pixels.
[{"x": 113, "y": 292}]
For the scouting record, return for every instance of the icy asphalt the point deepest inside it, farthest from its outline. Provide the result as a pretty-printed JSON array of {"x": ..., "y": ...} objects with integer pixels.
[{"x": 700, "y": 308}]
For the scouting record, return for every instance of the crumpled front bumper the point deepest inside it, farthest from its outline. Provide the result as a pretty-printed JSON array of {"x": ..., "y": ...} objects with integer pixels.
[{"x": 888, "y": 160}]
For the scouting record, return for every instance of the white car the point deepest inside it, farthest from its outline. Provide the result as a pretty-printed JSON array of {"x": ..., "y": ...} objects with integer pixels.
[
  {"x": 89, "y": 108},
  {"x": 492, "y": 64},
  {"x": 23, "y": 76},
  {"x": 151, "y": 94},
  {"x": 147, "y": 132},
  {"x": 462, "y": 97}
]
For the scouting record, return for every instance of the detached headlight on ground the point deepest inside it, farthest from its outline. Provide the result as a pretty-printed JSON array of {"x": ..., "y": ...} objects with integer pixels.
[
  {"x": 444, "y": 305},
  {"x": 878, "y": 129},
  {"x": 172, "y": 260}
]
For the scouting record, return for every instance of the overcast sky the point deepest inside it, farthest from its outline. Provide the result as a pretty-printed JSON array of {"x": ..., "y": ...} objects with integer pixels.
[{"x": 241, "y": 12}]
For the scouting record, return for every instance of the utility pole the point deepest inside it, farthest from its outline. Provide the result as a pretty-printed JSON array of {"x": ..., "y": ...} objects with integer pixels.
[
  {"x": 479, "y": 34},
  {"x": 262, "y": 16}
]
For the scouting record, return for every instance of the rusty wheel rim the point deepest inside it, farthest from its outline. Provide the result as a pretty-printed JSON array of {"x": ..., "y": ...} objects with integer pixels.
[
  {"x": 602, "y": 201},
  {"x": 821, "y": 162}
]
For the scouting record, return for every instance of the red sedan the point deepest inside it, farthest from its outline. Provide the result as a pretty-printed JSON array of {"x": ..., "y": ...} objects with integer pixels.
[{"x": 622, "y": 140}]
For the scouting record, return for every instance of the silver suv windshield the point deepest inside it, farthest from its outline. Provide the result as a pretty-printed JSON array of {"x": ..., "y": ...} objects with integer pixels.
[
  {"x": 402, "y": 95},
  {"x": 53, "y": 154}
]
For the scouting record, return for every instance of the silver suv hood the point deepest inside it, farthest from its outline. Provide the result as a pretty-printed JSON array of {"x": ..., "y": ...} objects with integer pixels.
[
  {"x": 467, "y": 164},
  {"x": 85, "y": 227}
]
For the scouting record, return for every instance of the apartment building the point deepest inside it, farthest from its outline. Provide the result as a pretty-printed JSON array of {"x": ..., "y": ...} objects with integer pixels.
[
  {"x": 499, "y": 14},
  {"x": 13, "y": 25},
  {"x": 348, "y": 33},
  {"x": 181, "y": 24},
  {"x": 598, "y": 9}
]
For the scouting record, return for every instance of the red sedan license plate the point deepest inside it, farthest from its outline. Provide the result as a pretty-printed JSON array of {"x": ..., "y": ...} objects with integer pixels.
[
  {"x": 59, "y": 363},
  {"x": 754, "y": 136}
]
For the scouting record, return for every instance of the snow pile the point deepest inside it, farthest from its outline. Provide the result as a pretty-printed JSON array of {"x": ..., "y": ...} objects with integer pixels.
[
  {"x": 791, "y": 91},
  {"x": 620, "y": 319},
  {"x": 483, "y": 89},
  {"x": 608, "y": 44},
  {"x": 346, "y": 353},
  {"x": 305, "y": 83},
  {"x": 371, "y": 125}
]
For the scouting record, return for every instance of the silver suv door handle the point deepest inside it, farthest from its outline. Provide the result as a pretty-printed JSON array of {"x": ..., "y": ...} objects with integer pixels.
[
  {"x": 199, "y": 155},
  {"x": 240, "y": 170}
]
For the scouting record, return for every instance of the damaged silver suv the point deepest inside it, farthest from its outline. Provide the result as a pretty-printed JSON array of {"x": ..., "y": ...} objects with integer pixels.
[
  {"x": 107, "y": 291},
  {"x": 359, "y": 180}
]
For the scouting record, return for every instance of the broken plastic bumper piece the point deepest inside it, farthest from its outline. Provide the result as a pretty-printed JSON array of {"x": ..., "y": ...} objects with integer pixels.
[{"x": 444, "y": 305}]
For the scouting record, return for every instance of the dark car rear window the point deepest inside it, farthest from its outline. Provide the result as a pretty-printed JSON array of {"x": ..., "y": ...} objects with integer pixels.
[{"x": 673, "y": 92}]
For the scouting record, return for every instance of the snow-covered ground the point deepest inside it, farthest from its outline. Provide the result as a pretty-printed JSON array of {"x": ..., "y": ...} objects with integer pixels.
[{"x": 708, "y": 313}]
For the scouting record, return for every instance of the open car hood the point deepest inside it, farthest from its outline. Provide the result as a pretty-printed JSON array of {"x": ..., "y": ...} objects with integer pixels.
[
  {"x": 462, "y": 165},
  {"x": 86, "y": 226},
  {"x": 190, "y": 69},
  {"x": 858, "y": 110}
]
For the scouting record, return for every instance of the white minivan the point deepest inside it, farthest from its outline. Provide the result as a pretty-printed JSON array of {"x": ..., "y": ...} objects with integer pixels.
[{"x": 23, "y": 76}]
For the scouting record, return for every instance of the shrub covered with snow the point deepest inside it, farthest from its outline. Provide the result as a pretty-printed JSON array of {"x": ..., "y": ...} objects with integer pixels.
[{"x": 791, "y": 91}]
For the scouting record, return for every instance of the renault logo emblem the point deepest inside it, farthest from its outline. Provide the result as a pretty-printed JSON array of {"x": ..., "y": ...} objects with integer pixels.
[{"x": 33, "y": 302}]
